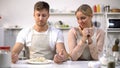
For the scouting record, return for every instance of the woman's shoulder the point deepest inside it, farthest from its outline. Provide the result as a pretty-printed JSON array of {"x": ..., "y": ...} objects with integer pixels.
[
  {"x": 100, "y": 31},
  {"x": 74, "y": 29}
]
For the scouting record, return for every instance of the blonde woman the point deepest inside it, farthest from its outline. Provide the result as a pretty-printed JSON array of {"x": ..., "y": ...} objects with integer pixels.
[{"x": 85, "y": 42}]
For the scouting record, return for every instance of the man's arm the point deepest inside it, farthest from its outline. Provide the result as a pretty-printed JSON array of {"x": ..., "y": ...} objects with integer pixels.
[
  {"x": 61, "y": 55},
  {"x": 15, "y": 51}
]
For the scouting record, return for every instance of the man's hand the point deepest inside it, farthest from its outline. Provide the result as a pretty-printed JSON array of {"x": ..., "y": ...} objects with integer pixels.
[
  {"x": 59, "y": 58},
  {"x": 14, "y": 57}
]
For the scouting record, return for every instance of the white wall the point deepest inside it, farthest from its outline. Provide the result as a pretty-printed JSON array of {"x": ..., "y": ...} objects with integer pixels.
[{"x": 20, "y": 12}]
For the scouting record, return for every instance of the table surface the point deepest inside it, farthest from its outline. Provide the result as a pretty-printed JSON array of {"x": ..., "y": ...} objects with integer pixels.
[{"x": 67, "y": 64}]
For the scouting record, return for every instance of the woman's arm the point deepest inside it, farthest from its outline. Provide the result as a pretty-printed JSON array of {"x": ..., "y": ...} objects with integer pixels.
[
  {"x": 75, "y": 49},
  {"x": 96, "y": 48}
]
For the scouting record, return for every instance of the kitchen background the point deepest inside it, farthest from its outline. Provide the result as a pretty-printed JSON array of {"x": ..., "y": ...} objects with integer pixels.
[{"x": 17, "y": 14}]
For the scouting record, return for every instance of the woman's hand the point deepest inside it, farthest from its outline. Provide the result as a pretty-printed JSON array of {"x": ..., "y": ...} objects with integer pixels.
[
  {"x": 14, "y": 57},
  {"x": 90, "y": 33},
  {"x": 87, "y": 34},
  {"x": 59, "y": 58}
]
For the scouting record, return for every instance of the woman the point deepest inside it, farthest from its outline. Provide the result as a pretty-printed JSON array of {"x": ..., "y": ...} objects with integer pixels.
[{"x": 85, "y": 42}]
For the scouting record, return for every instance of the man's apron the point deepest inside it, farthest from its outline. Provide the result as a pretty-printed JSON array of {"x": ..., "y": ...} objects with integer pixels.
[{"x": 40, "y": 46}]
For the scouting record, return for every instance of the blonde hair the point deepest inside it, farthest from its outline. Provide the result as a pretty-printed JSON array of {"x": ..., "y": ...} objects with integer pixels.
[{"x": 85, "y": 9}]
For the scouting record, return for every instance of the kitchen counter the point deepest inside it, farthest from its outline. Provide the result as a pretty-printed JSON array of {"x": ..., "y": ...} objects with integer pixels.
[{"x": 68, "y": 64}]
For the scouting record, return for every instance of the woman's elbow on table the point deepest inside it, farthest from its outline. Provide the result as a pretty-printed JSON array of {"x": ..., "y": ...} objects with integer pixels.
[{"x": 73, "y": 57}]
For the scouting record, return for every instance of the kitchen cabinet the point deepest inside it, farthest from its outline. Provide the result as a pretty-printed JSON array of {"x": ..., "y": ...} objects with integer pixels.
[
  {"x": 65, "y": 17},
  {"x": 112, "y": 16},
  {"x": 70, "y": 19},
  {"x": 10, "y": 35},
  {"x": 112, "y": 33}
]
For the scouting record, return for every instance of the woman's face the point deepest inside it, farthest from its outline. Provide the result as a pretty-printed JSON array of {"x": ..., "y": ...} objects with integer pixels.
[
  {"x": 41, "y": 17},
  {"x": 83, "y": 20}
]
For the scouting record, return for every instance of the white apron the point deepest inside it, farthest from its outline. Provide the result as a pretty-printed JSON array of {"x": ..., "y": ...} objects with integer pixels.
[{"x": 40, "y": 46}]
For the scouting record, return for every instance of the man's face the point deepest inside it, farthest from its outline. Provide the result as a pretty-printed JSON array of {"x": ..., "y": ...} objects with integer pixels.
[{"x": 41, "y": 17}]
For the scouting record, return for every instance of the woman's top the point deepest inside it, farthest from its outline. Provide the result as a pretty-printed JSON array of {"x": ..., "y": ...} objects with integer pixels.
[{"x": 91, "y": 51}]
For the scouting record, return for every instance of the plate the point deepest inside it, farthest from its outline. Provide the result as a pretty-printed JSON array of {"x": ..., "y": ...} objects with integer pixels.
[
  {"x": 63, "y": 28},
  {"x": 44, "y": 62}
]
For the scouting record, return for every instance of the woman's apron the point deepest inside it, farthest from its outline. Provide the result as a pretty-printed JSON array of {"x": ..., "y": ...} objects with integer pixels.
[
  {"x": 40, "y": 46},
  {"x": 86, "y": 53}
]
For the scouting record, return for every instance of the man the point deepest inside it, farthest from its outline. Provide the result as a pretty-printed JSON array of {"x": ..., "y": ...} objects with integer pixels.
[{"x": 41, "y": 39}]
